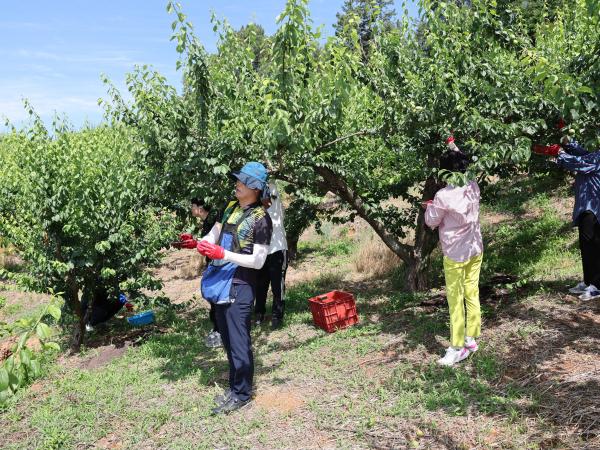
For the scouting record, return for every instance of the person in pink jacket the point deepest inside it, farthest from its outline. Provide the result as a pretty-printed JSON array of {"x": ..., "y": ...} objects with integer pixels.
[{"x": 455, "y": 212}]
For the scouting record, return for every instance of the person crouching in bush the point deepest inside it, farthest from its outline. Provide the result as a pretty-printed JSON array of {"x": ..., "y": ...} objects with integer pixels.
[
  {"x": 586, "y": 212},
  {"x": 455, "y": 211},
  {"x": 98, "y": 306}
]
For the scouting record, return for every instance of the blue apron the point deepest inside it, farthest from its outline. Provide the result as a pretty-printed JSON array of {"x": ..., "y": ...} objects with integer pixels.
[{"x": 218, "y": 276}]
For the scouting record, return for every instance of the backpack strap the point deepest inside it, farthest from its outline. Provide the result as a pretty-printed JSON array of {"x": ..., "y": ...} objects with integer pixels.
[{"x": 228, "y": 210}]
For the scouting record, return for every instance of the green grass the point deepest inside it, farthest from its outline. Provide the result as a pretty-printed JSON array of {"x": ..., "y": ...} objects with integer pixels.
[
  {"x": 333, "y": 251},
  {"x": 12, "y": 309}
]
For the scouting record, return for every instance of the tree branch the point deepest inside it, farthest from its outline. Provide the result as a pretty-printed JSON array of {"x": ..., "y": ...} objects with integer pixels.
[
  {"x": 343, "y": 138},
  {"x": 341, "y": 188}
]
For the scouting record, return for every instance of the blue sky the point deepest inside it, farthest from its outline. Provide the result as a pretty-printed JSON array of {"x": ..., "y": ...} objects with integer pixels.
[{"x": 54, "y": 52}]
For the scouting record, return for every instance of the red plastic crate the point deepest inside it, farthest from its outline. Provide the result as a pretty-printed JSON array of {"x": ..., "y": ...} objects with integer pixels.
[{"x": 334, "y": 310}]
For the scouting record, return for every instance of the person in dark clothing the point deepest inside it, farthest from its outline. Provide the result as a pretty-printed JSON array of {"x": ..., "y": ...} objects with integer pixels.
[
  {"x": 275, "y": 268},
  {"x": 209, "y": 217},
  {"x": 203, "y": 211},
  {"x": 103, "y": 306},
  {"x": 586, "y": 212}
]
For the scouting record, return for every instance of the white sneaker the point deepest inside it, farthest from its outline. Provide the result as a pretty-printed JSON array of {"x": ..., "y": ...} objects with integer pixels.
[
  {"x": 471, "y": 344},
  {"x": 453, "y": 356},
  {"x": 591, "y": 292},
  {"x": 579, "y": 289}
]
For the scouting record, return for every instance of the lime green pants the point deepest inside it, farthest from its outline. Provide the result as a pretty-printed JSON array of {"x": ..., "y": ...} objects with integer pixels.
[{"x": 462, "y": 287}]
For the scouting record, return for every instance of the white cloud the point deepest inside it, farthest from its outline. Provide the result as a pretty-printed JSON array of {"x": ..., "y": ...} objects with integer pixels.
[
  {"x": 113, "y": 59},
  {"x": 46, "y": 106}
]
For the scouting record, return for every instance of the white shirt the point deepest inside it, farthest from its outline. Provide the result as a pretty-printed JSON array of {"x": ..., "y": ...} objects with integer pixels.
[{"x": 278, "y": 239}]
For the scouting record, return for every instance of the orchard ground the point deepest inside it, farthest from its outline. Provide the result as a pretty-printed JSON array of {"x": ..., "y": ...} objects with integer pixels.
[{"x": 534, "y": 383}]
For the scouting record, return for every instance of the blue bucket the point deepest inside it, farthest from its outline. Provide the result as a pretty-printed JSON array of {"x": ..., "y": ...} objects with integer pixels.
[{"x": 144, "y": 318}]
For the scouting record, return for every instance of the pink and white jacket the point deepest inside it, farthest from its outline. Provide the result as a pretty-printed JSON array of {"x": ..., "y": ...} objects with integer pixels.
[{"x": 455, "y": 210}]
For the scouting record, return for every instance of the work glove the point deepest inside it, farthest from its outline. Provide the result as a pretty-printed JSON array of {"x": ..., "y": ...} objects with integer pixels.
[
  {"x": 185, "y": 237},
  {"x": 211, "y": 251},
  {"x": 189, "y": 243},
  {"x": 129, "y": 306},
  {"x": 451, "y": 145},
  {"x": 548, "y": 150}
]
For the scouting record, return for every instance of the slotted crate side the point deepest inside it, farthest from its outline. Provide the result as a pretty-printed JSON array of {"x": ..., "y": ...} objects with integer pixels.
[{"x": 334, "y": 310}]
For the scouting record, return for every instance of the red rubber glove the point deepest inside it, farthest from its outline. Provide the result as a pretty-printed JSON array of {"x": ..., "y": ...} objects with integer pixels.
[
  {"x": 185, "y": 237},
  {"x": 190, "y": 243},
  {"x": 548, "y": 150},
  {"x": 426, "y": 203},
  {"x": 129, "y": 306},
  {"x": 211, "y": 251},
  {"x": 450, "y": 143},
  {"x": 560, "y": 124}
]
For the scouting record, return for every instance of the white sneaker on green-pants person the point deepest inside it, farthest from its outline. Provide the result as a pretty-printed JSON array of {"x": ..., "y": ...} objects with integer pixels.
[{"x": 453, "y": 355}]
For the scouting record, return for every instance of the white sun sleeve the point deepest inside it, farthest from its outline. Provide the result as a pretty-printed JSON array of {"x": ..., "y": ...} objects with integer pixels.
[
  {"x": 254, "y": 261},
  {"x": 213, "y": 234}
]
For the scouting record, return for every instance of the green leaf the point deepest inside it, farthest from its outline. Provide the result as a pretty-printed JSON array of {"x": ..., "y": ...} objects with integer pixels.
[
  {"x": 4, "y": 396},
  {"x": 574, "y": 114},
  {"x": 23, "y": 339},
  {"x": 35, "y": 367},
  {"x": 3, "y": 379},
  {"x": 14, "y": 381},
  {"x": 25, "y": 357},
  {"x": 54, "y": 311},
  {"x": 585, "y": 90},
  {"x": 43, "y": 331},
  {"x": 51, "y": 346}
]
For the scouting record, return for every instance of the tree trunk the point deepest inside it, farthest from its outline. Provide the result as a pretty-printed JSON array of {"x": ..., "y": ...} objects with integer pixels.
[
  {"x": 416, "y": 276},
  {"x": 72, "y": 297},
  {"x": 292, "y": 247},
  {"x": 425, "y": 241},
  {"x": 73, "y": 302}
]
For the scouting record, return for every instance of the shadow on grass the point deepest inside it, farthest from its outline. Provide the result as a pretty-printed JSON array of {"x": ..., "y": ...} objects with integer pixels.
[
  {"x": 530, "y": 380},
  {"x": 517, "y": 247},
  {"x": 511, "y": 195}
]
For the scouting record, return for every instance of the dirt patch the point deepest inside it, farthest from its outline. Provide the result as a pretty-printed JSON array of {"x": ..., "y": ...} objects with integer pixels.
[
  {"x": 495, "y": 218},
  {"x": 283, "y": 401},
  {"x": 19, "y": 304},
  {"x": 109, "y": 442},
  {"x": 6, "y": 348},
  {"x": 102, "y": 356},
  {"x": 573, "y": 367},
  {"x": 34, "y": 344},
  {"x": 180, "y": 272}
]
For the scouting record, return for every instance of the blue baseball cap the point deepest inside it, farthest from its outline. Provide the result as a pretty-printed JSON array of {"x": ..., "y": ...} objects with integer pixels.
[{"x": 254, "y": 175}]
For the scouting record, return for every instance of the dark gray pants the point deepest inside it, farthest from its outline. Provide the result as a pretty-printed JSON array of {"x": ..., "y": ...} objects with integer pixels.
[
  {"x": 589, "y": 244},
  {"x": 234, "y": 321},
  {"x": 272, "y": 273}
]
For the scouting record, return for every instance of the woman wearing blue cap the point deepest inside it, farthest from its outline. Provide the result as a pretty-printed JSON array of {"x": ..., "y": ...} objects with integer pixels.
[{"x": 238, "y": 245}]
